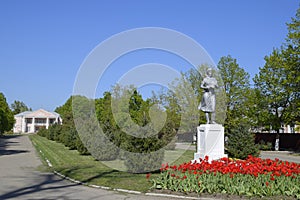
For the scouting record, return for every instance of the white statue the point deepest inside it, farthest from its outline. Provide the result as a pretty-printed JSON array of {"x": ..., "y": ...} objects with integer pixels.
[{"x": 208, "y": 102}]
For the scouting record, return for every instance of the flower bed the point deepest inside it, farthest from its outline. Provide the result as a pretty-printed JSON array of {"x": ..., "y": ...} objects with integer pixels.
[{"x": 250, "y": 177}]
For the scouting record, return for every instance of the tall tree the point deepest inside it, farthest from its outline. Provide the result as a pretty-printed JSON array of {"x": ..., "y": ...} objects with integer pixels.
[
  {"x": 294, "y": 32},
  {"x": 169, "y": 102},
  {"x": 140, "y": 133},
  {"x": 256, "y": 108},
  {"x": 66, "y": 112},
  {"x": 6, "y": 116},
  {"x": 104, "y": 113},
  {"x": 239, "y": 103},
  {"x": 18, "y": 107},
  {"x": 279, "y": 80},
  {"x": 291, "y": 55},
  {"x": 237, "y": 87},
  {"x": 184, "y": 93},
  {"x": 271, "y": 82},
  {"x": 68, "y": 134}
]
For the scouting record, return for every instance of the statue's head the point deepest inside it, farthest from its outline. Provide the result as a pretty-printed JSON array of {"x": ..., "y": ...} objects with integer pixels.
[{"x": 209, "y": 72}]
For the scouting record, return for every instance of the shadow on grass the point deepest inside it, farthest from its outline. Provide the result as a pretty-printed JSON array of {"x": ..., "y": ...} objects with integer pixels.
[
  {"x": 109, "y": 178},
  {"x": 70, "y": 172}
]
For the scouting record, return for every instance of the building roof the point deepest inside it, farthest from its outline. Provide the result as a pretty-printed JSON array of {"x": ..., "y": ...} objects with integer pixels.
[
  {"x": 41, "y": 113},
  {"x": 23, "y": 113}
]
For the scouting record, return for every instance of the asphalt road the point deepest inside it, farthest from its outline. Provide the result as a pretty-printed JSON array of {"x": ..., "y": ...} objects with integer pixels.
[{"x": 281, "y": 155}]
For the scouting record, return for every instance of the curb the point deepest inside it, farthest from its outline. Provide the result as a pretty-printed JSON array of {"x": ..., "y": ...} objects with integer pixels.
[{"x": 176, "y": 196}]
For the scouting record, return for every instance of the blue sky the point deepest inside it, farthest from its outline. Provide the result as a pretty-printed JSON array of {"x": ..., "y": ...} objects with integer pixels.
[{"x": 43, "y": 43}]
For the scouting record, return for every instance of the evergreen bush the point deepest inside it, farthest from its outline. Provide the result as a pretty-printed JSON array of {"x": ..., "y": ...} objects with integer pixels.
[
  {"x": 81, "y": 148},
  {"x": 142, "y": 154},
  {"x": 241, "y": 143},
  {"x": 143, "y": 162},
  {"x": 42, "y": 132},
  {"x": 102, "y": 149},
  {"x": 69, "y": 136},
  {"x": 265, "y": 146}
]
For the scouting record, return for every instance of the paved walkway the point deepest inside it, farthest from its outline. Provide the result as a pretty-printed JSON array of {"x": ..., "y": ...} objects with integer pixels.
[
  {"x": 281, "y": 155},
  {"x": 20, "y": 179}
]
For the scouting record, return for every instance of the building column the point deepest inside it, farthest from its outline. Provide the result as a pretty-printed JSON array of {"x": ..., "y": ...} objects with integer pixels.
[
  {"x": 33, "y": 125},
  {"x": 23, "y": 125},
  {"x": 47, "y": 122}
]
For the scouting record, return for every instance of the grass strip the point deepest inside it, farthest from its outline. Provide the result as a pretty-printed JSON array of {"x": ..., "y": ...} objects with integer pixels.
[{"x": 86, "y": 169}]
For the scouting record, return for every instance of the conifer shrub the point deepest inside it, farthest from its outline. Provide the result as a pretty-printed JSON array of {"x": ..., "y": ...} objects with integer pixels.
[{"x": 241, "y": 143}]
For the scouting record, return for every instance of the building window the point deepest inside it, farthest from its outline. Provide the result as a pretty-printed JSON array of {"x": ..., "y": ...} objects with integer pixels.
[
  {"x": 51, "y": 120},
  {"x": 28, "y": 120},
  {"x": 40, "y": 120}
]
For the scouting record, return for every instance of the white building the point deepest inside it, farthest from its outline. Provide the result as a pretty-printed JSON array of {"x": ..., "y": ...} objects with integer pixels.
[{"x": 32, "y": 121}]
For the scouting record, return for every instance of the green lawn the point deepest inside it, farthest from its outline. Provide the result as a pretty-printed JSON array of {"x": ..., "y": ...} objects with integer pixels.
[{"x": 86, "y": 169}]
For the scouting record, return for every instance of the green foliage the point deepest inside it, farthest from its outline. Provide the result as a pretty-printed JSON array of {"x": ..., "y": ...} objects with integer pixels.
[
  {"x": 18, "y": 107},
  {"x": 81, "y": 147},
  {"x": 168, "y": 135},
  {"x": 294, "y": 31},
  {"x": 65, "y": 111},
  {"x": 169, "y": 101},
  {"x": 241, "y": 143},
  {"x": 8, "y": 132},
  {"x": 135, "y": 126},
  {"x": 257, "y": 110},
  {"x": 143, "y": 162},
  {"x": 265, "y": 146},
  {"x": 279, "y": 81},
  {"x": 42, "y": 132},
  {"x": 237, "y": 89},
  {"x": 139, "y": 130},
  {"x": 6, "y": 116},
  {"x": 182, "y": 92},
  {"x": 98, "y": 143},
  {"x": 104, "y": 113},
  {"x": 68, "y": 137},
  {"x": 65, "y": 133},
  {"x": 102, "y": 149},
  {"x": 146, "y": 137},
  {"x": 291, "y": 54},
  {"x": 270, "y": 82}
]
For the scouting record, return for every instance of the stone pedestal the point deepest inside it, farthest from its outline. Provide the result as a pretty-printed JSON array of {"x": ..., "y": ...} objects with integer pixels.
[{"x": 210, "y": 142}]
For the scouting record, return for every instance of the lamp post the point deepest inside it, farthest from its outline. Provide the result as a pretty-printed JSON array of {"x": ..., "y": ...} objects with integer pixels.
[{"x": 279, "y": 113}]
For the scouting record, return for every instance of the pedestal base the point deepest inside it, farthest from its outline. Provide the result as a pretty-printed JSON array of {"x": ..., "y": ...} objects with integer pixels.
[{"x": 210, "y": 142}]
